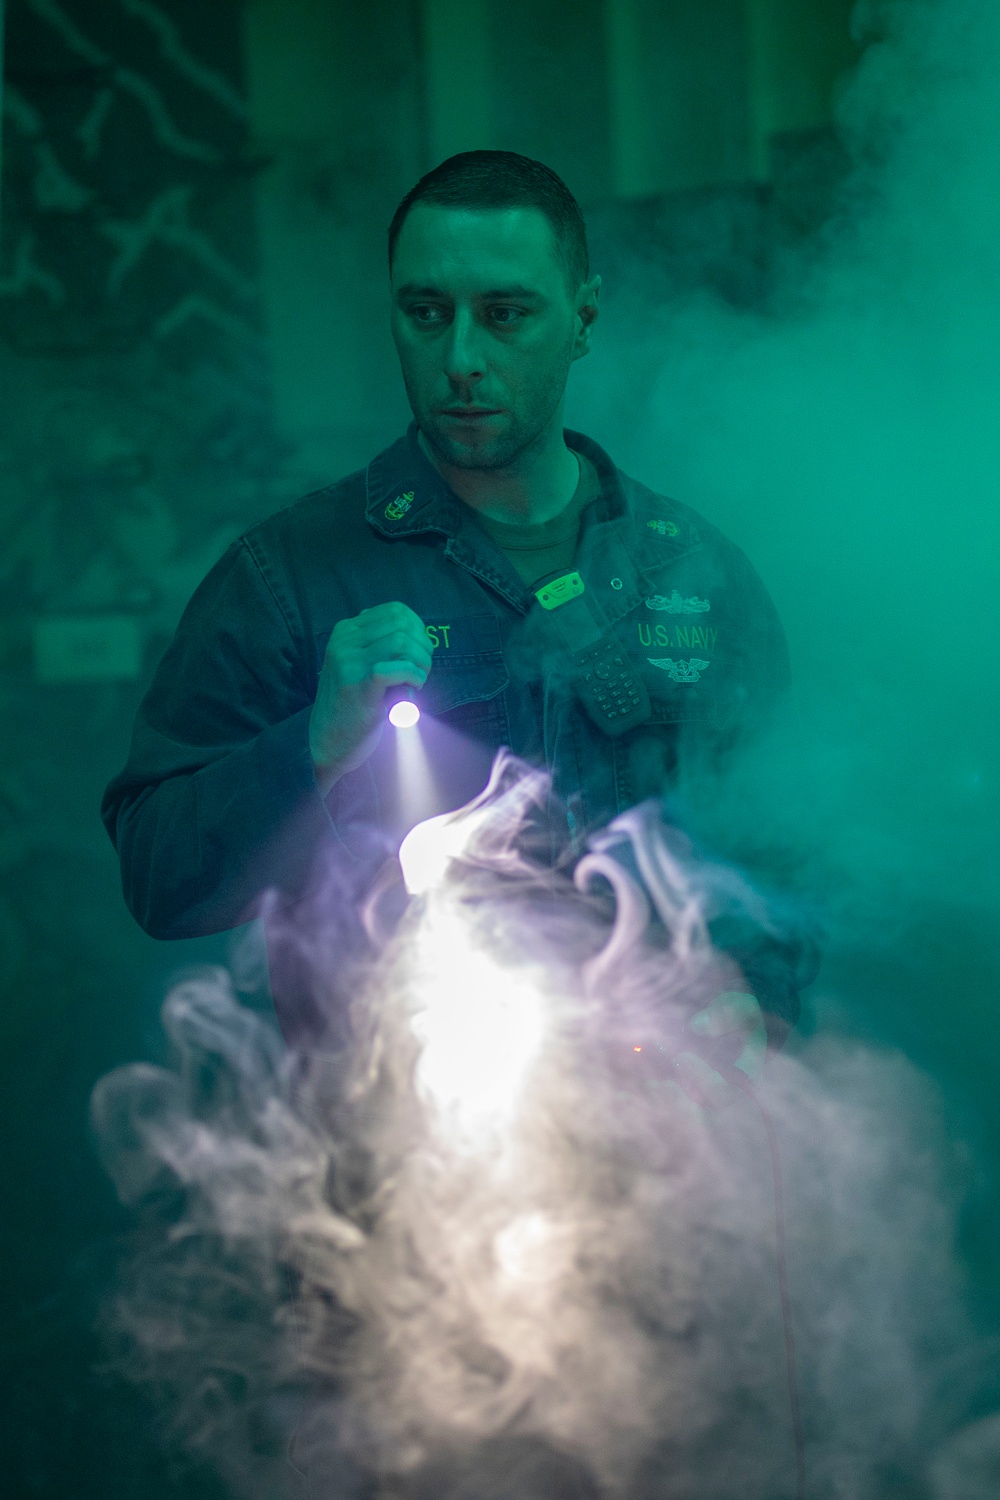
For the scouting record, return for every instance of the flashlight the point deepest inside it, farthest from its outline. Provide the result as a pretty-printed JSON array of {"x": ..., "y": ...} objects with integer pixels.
[{"x": 404, "y": 713}]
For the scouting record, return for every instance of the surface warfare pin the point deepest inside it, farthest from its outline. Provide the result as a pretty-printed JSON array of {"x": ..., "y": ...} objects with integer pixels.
[
  {"x": 664, "y": 528},
  {"x": 396, "y": 509},
  {"x": 674, "y": 604}
]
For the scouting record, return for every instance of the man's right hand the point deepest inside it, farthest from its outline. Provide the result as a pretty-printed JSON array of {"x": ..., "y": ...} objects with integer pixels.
[{"x": 380, "y": 648}]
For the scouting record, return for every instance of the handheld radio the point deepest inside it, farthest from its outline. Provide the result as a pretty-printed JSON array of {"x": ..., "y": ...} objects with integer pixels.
[{"x": 608, "y": 685}]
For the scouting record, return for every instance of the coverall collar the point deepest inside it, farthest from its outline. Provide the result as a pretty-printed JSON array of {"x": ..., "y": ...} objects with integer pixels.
[{"x": 406, "y": 495}]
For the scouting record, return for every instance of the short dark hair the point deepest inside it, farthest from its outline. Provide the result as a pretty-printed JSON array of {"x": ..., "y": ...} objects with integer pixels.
[{"x": 503, "y": 179}]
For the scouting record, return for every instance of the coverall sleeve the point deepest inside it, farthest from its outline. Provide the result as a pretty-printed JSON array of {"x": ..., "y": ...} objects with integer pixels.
[{"x": 217, "y": 801}]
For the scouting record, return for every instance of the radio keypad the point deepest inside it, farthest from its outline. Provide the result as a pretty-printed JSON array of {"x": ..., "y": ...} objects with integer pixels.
[{"x": 611, "y": 681}]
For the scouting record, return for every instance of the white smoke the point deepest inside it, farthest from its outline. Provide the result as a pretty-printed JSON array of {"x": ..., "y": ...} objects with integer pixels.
[
  {"x": 495, "y": 1250},
  {"x": 844, "y": 430}
]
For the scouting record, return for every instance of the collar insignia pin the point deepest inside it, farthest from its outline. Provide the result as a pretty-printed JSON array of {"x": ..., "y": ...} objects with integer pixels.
[
  {"x": 396, "y": 509},
  {"x": 664, "y": 528},
  {"x": 674, "y": 604}
]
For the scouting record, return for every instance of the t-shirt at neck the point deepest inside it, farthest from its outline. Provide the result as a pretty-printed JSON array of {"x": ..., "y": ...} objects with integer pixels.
[{"x": 544, "y": 547}]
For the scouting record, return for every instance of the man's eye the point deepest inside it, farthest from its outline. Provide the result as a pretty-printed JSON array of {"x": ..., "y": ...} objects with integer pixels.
[
  {"x": 506, "y": 316},
  {"x": 425, "y": 313}
]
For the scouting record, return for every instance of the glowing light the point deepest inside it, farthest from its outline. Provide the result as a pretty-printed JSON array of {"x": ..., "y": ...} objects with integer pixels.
[
  {"x": 521, "y": 1247},
  {"x": 404, "y": 714},
  {"x": 481, "y": 1026},
  {"x": 481, "y": 1021},
  {"x": 427, "y": 848}
]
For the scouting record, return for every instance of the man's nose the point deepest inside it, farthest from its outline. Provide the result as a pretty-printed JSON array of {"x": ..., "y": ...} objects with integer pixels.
[{"x": 464, "y": 360}]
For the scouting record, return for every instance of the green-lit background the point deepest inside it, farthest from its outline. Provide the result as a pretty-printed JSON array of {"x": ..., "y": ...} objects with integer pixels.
[{"x": 798, "y": 229}]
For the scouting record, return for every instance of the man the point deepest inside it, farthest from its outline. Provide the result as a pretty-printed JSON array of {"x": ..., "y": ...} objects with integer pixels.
[{"x": 504, "y": 570}]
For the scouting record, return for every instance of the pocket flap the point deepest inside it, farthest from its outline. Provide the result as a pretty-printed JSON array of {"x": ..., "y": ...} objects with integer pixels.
[{"x": 468, "y": 662}]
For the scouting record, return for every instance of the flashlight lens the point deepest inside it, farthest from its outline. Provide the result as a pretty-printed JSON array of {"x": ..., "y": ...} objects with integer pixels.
[{"x": 404, "y": 714}]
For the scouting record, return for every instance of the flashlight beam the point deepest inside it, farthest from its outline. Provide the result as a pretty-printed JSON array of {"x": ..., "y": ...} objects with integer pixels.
[{"x": 418, "y": 798}]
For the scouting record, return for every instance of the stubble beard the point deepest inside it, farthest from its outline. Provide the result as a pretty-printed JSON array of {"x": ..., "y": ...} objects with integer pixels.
[
  {"x": 503, "y": 452},
  {"x": 509, "y": 447}
]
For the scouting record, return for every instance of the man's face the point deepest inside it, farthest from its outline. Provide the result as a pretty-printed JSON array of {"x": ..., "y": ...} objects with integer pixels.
[{"x": 486, "y": 329}]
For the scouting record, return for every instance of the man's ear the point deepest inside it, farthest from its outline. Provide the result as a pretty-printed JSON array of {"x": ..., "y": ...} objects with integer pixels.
[{"x": 587, "y": 310}]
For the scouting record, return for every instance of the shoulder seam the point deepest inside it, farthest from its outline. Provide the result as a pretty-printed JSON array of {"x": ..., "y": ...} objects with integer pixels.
[{"x": 246, "y": 545}]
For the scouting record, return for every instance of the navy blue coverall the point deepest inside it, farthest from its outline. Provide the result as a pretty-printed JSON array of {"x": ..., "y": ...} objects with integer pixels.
[{"x": 217, "y": 803}]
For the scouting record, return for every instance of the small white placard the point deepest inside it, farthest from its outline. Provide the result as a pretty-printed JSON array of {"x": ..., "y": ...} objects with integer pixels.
[{"x": 88, "y": 648}]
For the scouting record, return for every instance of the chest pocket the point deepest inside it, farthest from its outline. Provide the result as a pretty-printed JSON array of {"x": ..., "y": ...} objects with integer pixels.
[
  {"x": 678, "y": 643},
  {"x": 468, "y": 676}
]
